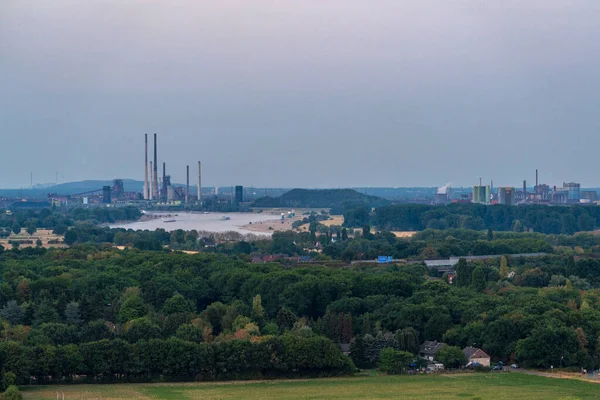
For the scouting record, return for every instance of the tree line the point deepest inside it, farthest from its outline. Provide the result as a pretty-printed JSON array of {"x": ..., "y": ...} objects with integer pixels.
[
  {"x": 535, "y": 218},
  {"x": 60, "y": 219}
]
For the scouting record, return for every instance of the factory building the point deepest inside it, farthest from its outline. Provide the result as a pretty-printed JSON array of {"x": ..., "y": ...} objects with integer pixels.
[
  {"x": 506, "y": 195},
  {"x": 239, "y": 194},
  {"x": 590, "y": 196},
  {"x": 574, "y": 191},
  {"x": 443, "y": 195},
  {"x": 481, "y": 194}
]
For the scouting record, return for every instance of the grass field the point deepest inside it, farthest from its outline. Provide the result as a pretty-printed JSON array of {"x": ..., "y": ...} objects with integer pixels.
[{"x": 468, "y": 386}]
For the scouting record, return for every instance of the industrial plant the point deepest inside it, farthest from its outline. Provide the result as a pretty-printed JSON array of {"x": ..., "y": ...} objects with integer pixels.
[
  {"x": 569, "y": 193},
  {"x": 158, "y": 191}
]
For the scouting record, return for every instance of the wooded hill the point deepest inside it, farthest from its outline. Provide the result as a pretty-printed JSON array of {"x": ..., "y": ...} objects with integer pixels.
[{"x": 320, "y": 198}]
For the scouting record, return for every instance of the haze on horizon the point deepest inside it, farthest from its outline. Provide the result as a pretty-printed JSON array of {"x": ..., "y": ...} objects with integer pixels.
[{"x": 302, "y": 93}]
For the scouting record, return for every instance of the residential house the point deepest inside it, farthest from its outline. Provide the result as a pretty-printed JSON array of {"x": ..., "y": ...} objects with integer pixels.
[
  {"x": 476, "y": 356},
  {"x": 345, "y": 347},
  {"x": 429, "y": 349}
]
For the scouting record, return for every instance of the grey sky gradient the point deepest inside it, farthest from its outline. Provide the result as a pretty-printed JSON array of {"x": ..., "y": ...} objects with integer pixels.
[{"x": 307, "y": 93}]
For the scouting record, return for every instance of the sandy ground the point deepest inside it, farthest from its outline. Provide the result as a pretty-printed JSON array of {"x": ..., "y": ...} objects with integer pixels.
[
  {"x": 271, "y": 226},
  {"x": 44, "y": 235},
  {"x": 275, "y": 224},
  {"x": 401, "y": 234}
]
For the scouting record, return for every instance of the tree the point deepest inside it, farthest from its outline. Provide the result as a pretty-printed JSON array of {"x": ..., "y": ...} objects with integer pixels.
[
  {"x": 285, "y": 319},
  {"x": 240, "y": 322},
  {"x": 518, "y": 226},
  {"x": 429, "y": 252},
  {"x": 44, "y": 313},
  {"x": 571, "y": 266},
  {"x": 548, "y": 345},
  {"x": 190, "y": 333},
  {"x": 177, "y": 304},
  {"x": 12, "y": 313},
  {"x": 70, "y": 237},
  {"x": 581, "y": 338},
  {"x": 451, "y": 357},
  {"x": 490, "y": 234},
  {"x": 478, "y": 279},
  {"x": 568, "y": 224},
  {"x": 393, "y": 361},
  {"x": 258, "y": 312},
  {"x": 366, "y": 231},
  {"x": 141, "y": 329},
  {"x": 214, "y": 314},
  {"x": 132, "y": 308},
  {"x": 344, "y": 234},
  {"x": 16, "y": 228},
  {"x": 72, "y": 313},
  {"x": 346, "y": 328},
  {"x": 357, "y": 352},
  {"x": 464, "y": 272},
  {"x": 12, "y": 393},
  {"x": 503, "y": 267},
  {"x": 31, "y": 229},
  {"x": 408, "y": 339},
  {"x": 586, "y": 223}
]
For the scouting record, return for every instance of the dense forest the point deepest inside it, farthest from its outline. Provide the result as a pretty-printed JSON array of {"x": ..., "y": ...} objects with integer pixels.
[
  {"x": 93, "y": 313},
  {"x": 534, "y": 218}
]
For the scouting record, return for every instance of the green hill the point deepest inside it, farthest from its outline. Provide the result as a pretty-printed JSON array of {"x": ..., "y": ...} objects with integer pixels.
[{"x": 319, "y": 198}]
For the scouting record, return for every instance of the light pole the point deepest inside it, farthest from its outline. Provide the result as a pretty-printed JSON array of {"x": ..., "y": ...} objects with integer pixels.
[{"x": 561, "y": 361}]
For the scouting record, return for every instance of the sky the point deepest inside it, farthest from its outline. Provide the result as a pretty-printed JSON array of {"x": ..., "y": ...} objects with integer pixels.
[{"x": 302, "y": 93}]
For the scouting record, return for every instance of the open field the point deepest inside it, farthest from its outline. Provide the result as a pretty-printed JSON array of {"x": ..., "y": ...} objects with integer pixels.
[
  {"x": 404, "y": 234},
  {"x": 464, "y": 386},
  {"x": 334, "y": 220},
  {"x": 44, "y": 235}
]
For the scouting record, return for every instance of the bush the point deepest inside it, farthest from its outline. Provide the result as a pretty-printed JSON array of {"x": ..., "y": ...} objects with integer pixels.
[
  {"x": 393, "y": 361},
  {"x": 451, "y": 357},
  {"x": 12, "y": 393}
]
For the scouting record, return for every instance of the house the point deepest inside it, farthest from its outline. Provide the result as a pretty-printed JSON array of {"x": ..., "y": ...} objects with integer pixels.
[
  {"x": 476, "y": 356},
  {"x": 345, "y": 347},
  {"x": 429, "y": 349}
]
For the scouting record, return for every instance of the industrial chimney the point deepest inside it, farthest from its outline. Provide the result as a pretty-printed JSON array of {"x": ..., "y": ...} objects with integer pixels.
[
  {"x": 155, "y": 188},
  {"x": 151, "y": 188},
  {"x": 187, "y": 184},
  {"x": 146, "y": 194},
  {"x": 164, "y": 181},
  {"x": 199, "y": 182}
]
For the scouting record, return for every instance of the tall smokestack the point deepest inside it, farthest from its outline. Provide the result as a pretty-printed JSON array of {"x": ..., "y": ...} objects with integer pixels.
[
  {"x": 164, "y": 181},
  {"x": 146, "y": 195},
  {"x": 525, "y": 188},
  {"x": 199, "y": 182},
  {"x": 151, "y": 188},
  {"x": 536, "y": 178},
  {"x": 155, "y": 188},
  {"x": 187, "y": 184}
]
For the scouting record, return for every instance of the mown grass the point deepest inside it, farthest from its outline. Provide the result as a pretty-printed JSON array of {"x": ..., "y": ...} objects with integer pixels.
[{"x": 467, "y": 386}]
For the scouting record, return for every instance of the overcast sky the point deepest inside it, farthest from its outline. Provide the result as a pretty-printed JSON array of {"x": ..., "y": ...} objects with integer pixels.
[{"x": 305, "y": 93}]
